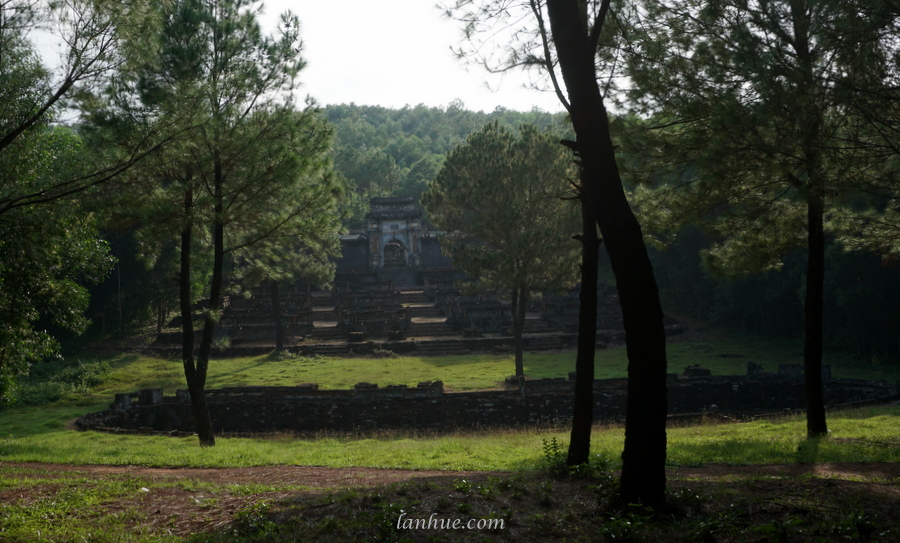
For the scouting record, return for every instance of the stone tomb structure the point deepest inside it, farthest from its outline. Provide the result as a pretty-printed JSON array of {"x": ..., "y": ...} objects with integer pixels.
[
  {"x": 394, "y": 245},
  {"x": 394, "y": 230},
  {"x": 304, "y": 409},
  {"x": 392, "y": 283}
]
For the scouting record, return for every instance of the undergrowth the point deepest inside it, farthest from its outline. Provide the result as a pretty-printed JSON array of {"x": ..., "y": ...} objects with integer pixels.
[{"x": 56, "y": 379}]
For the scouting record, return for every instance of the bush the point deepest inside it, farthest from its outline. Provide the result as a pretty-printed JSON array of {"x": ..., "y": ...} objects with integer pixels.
[
  {"x": 51, "y": 381},
  {"x": 555, "y": 454}
]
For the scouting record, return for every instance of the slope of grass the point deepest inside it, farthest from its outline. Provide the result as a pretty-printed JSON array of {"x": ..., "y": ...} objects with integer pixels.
[
  {"x": 723, "y": 355},
  {"x": 124, "y": 508},
  {"x": 40, "y": 435}
]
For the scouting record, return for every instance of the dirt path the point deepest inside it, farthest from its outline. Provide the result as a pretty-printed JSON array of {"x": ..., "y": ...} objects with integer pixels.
[
  {"x": 882, "y": 471},
  {"x": 316, "y": 477},
  {"x": 309, "y": 476}
]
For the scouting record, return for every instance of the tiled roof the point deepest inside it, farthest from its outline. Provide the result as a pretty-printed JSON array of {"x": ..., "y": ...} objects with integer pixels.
[{"x": 394, "y": 208}]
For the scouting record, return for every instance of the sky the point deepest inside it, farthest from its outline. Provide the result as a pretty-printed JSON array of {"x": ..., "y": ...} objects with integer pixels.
[{"x": 394, "y": 53}]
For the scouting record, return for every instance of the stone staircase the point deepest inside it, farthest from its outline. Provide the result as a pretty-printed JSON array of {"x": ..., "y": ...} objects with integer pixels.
[
  {"x": 321, "y": 299},
  {"x": 535, "y": 326},
  {"x": 424, "y": 311},
  {"x": 440, "y": 347},
  {"x": 545, "y": 343},
  {"x": 401, "y": 277},
  {"x": 413, "y": 297},
  {"x": 430, "y": 328},
  {"x": 327, "y": 333},
  {"x": 324, "y": 314}
]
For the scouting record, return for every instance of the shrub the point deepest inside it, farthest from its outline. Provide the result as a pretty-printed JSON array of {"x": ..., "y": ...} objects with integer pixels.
[{"x": 53, "y": 381}]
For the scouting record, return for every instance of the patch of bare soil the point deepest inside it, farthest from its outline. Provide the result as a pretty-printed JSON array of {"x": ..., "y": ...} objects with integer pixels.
[
  {"x": 882, "y": 471},
  {"x": 184, "y": 508},
  {"x": 307, "y": 476}
]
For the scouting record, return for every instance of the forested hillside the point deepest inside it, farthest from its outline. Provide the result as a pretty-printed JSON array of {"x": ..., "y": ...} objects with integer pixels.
[
  {"x": 390, "y": 152},
  {"x": 378, "y": 151}
]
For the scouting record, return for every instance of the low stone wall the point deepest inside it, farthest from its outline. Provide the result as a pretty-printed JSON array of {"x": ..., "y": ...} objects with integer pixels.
[
  {"x": 306, "y": 410},
  {"x": 405, "y": 347}
]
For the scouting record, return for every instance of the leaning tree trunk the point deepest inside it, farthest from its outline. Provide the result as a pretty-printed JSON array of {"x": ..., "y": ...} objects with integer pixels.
[
  {"x": 643, "y": 478},
  {"x": 583, "y": 403},
  {"x": 195, "y": 377}
]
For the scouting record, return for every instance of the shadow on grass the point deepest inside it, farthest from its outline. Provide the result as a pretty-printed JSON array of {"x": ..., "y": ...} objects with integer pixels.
[
  {"x": 548, "y": 509},
  {"x": 18, "y": 422},
  {"x": 697, "y": 452},
  {"x": 218, "y": 378},
  {"x": 808, "y": 450}
]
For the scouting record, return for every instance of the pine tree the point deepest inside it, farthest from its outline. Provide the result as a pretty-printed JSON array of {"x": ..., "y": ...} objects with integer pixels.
[
  {"x": 752, "y": 133},
  {"x": 246, "y": 173},
  {"x": 500, "y": 196},
  {"x": 572, "y": 44}
]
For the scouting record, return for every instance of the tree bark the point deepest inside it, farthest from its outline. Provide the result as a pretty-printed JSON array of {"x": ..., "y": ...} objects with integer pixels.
[
  {"x": 583, "y": 403},
  {"x": 162, "y": 311},
  {"x": 196, "y": 380},
  {"x": 276, "y": 313},
  {"x": 207, "y": 437},
  {"x": 517, "y": 306},
  {"x": 643, "y": 478},
  {"x": 520, "y": 323},
  {"x": 816, "y": 425}
]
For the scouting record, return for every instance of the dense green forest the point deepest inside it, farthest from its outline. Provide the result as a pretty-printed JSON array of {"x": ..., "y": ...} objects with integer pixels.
[{"x": 389, "y": 152}]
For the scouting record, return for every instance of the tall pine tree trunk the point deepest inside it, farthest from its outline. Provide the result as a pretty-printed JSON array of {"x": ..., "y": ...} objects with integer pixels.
[
  {"x": 583, "y": 403},
  {"x": 816, "y": 424},
  {"x": 276, "y": 313},
  {"x": 811, "y": 121},
  {"x": 207, "y": 437},
  {"x": 162, "y": 311},
  {"x": 195, "y": 378},
  {"x": 519, "y": 298},
  {"x": 643, "y": 478}
]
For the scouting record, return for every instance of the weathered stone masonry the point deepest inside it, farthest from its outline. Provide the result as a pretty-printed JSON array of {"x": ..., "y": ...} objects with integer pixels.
[{"x": 306, "y": 410}]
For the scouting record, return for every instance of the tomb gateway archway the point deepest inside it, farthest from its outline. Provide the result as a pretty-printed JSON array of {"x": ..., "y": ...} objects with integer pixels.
[
  {"x": 395, "y": 254},
  {"x": 394, "y": 228}
]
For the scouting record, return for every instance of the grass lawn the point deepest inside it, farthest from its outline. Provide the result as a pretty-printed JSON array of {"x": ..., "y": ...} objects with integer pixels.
[
  {"x": 723, "y": 355},
  {"x": 707, "y": 500},
  {"x": 45, "y": 504},
  {"x": 40, "y": 434}
]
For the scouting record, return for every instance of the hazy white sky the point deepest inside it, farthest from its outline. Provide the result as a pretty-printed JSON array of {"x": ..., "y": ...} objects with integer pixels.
[{"x": 393, "y": 53}]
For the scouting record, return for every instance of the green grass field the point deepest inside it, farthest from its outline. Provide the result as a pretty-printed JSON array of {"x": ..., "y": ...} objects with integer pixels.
[
  {"x": 724, "y": 356},
  {"x": 41, "y": 434},
  {"x": 69, "y": 506}
]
